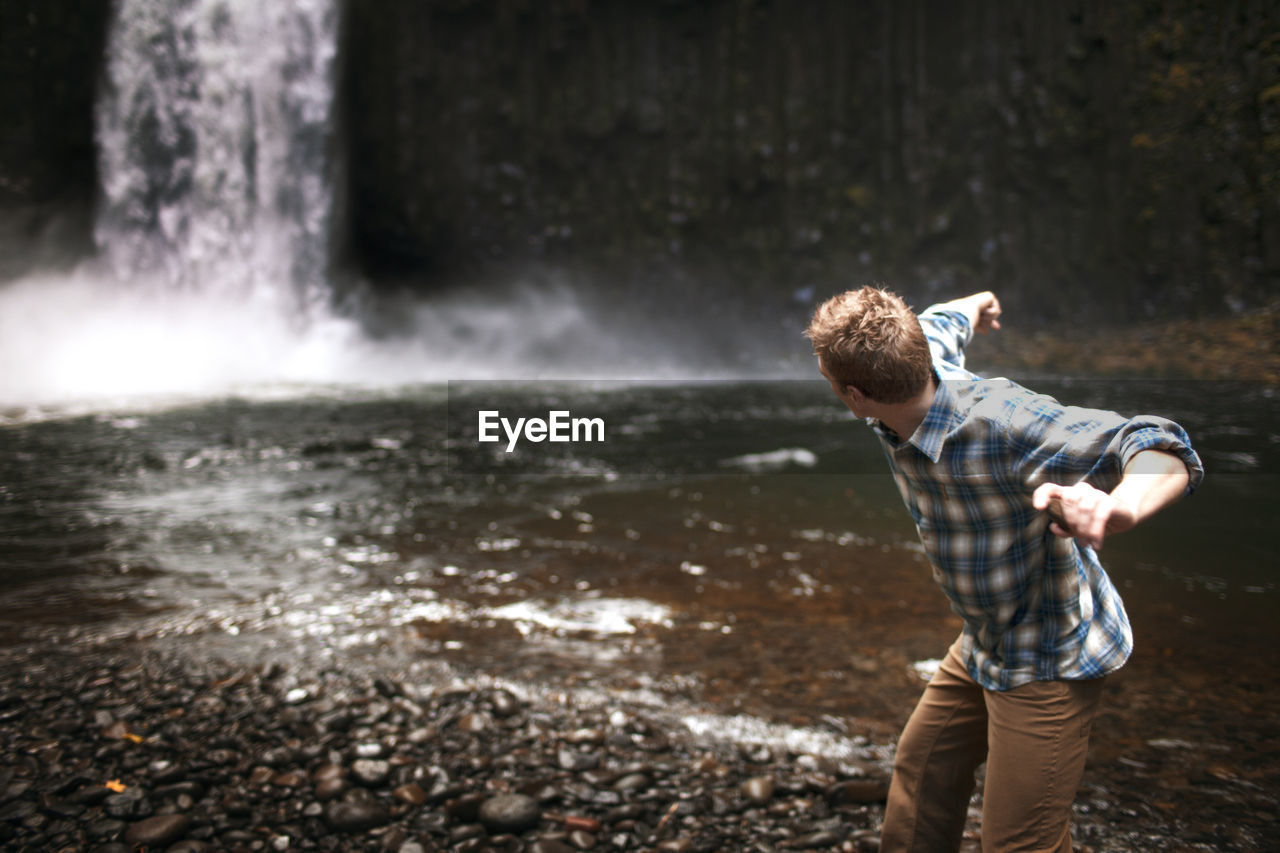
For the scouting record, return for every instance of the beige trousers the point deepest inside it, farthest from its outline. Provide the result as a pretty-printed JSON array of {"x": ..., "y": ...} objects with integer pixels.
[{"x": 1033, "y": 738}]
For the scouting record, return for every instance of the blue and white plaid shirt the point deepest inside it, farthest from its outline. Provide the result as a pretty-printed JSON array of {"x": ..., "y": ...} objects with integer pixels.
[{"x": 1035, "y": 606}]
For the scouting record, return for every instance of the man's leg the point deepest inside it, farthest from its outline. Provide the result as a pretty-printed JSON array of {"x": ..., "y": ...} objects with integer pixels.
[
  {"x": 1039, "y": 737},
  {"x": 943, "y": 743}
]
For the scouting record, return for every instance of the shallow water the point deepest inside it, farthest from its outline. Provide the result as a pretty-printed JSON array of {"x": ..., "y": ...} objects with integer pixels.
[{"x": 732, "y": 552}]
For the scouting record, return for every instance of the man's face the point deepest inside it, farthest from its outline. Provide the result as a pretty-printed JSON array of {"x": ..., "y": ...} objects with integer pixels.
[{"x": 841, "y": 391}]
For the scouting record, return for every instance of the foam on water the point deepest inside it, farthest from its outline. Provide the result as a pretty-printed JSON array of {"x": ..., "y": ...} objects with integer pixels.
[{"x": 594, "y": 615}]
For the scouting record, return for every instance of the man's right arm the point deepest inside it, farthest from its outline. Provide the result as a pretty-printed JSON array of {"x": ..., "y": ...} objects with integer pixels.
[
  {"x": 982, "y": 309},
  {"x": 949, "y": 326}
]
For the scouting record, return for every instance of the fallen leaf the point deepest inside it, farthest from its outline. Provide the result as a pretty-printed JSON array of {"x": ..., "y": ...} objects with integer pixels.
[{"x": 117, "y": 786}]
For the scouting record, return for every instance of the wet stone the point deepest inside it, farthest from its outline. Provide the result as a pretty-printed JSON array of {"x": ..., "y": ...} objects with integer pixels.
[
  {"x": 513, "y": 813},
  {"x": 349, "y": 816},
  {"x": 411, "y": 794},
  {"x": 549, "y": 845},
  {"x": 465, "y": 831},
  {"x": 858, "y": 792},
  {"x": 582, "y": 839},
  {"x": 633, "y": 782},
  {"x": 824, "y": 839},
  {"x": 159, "y": 830},
  {"x": 504, "y": 704},
  {"x": 473, "y": 723},
  {"x": 465, "y": 808},
  {"x": 166, "y": 772},
  {"x": 371, "y": 772},
  {"x": 676, "y": 845},
  {"x": 127, "y": 805},
  {"x": 191, "y": 846},
  {"x": 369, "y": 750},
  {"x": 574, "y": 760}
]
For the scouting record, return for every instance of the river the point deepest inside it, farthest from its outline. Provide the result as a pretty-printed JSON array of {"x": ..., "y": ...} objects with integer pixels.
[{"x": 732, "y": 553}]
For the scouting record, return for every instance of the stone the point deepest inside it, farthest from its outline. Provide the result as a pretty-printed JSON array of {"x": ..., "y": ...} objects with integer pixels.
[
  {"x": 372, "y": 772},
  {"x": 758, "y": 789},
  {"x": 574, "y": 760},
  {"x": 349, "y": 816},
  {"x": 858, "y": 792},
  {"x": 633, "y": 782},
  {"x": 514, "y": 813},
  {"x": 824, "y": 839},
  {"x": 504, "y": 703},
  {"x": 549, "y": 845},
  {"x": 159, "y": 830},
  {"x": 411, "y": 794}
]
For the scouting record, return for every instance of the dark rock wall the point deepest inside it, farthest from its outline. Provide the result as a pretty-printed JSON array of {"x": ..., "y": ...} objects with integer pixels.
[
  {"x": 50, "y": 57},
  {"x": 1123, "y": 157},
  {"x": 1086, "y": 158}
]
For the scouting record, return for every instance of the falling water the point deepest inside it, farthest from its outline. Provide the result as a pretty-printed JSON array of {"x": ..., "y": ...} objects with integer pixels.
[
  {"x": 217, "y": 217},
  {"x": 215, "y": 131}
]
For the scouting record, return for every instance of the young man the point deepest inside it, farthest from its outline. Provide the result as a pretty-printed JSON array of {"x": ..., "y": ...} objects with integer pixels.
[{"x": 1013, "y": 494}]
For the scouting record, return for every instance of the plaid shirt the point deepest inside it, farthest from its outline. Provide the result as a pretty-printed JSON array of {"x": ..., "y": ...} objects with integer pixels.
[{"x": 1035, "y": 606}]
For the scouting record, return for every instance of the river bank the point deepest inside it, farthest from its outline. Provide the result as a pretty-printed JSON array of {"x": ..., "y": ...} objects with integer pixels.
[
  {"x": 127, "y": 746},
  {"x": 1242, "y": 347},
  {"x": 264, "y": 622}
]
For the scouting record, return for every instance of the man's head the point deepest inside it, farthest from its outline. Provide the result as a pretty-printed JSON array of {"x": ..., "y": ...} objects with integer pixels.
[{"x": 871, "y": 340}]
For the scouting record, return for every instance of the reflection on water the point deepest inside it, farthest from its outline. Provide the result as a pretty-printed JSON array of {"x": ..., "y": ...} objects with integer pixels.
[{"x": 734, "y": 553}]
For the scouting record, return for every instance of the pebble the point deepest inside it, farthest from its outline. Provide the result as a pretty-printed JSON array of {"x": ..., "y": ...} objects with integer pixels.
[
  {"x": 356, "y": 816},
  {"x": 825, "y": 839},
  {"x": 504, "y": 704},
  {"x": 549, "y": 845},
  {"x": 159, "y": 830},
  {"x": 411, "y": 794},
  {"x": 255, "y": 774},
  {"x": 858, "y": 792},
  {"x": 514, "y": 813},
  {"x": 633, "y": 782},
  {"x": 759, "y": 789},
  {"x": 371, "y": 772}
]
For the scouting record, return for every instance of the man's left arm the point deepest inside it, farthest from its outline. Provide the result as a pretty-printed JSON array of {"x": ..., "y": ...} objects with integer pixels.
[{"x": 1152, "y": 480}]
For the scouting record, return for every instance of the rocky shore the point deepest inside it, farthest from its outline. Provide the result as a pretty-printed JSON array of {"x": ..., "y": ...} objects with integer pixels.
[
  {"x": 129, "y": 746},
  {"x": 123, "y": 749}
]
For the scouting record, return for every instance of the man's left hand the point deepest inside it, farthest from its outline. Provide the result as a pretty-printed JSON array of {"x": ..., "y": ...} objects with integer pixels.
[{"x": 1083, "y": 512}]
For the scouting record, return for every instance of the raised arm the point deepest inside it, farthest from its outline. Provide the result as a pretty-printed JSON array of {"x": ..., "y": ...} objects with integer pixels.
[
  {"x": 1152, "y": 480},
  {"x": 982, "y": 309}
]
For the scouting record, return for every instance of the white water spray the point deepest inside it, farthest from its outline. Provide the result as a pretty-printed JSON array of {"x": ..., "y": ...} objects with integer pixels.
[
  {"x": 215, "y": 130},
  {"x": 216, "y": 222}
]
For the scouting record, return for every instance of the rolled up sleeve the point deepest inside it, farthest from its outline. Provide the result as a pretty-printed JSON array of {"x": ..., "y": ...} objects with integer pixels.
[{"x": 1067, "y": 444}]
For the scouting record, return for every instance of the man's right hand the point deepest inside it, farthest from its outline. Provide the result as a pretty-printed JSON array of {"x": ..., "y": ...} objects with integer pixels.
[
  {"x": 982, "y": 309},
  {"x": 988, "y": 313}
]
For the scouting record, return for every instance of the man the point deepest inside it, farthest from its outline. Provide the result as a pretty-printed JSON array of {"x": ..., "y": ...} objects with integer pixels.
[{"x": 1013, "y": 494}]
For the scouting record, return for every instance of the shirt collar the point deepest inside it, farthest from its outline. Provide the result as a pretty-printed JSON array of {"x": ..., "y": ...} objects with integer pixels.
[{"x": 943, "y": 418}]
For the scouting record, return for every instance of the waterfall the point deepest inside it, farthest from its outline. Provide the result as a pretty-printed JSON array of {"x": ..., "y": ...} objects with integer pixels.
[
  {"x": 215, "y": 136},
  {"x": 216, "y": 129}
]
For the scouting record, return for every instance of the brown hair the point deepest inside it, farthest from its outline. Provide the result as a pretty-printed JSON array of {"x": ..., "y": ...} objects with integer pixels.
[{"x": 871, "y": 340}]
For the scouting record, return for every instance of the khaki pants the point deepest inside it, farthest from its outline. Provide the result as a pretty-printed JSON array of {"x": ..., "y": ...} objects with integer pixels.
[{"x": 1033, "y": 738}]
